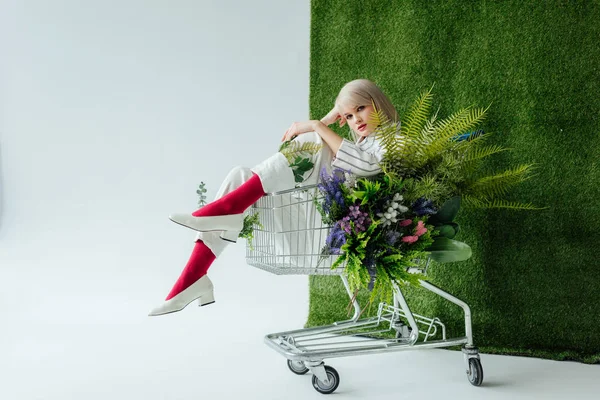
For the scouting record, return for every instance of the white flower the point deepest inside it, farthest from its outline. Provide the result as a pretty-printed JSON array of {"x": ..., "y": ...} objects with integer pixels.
[
  {"x": 392, "y": 210},
  {"x": 350, "y": 181}
]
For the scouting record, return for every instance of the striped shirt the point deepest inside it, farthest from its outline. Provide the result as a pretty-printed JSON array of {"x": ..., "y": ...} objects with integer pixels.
[{"x": 360, "y": 158}]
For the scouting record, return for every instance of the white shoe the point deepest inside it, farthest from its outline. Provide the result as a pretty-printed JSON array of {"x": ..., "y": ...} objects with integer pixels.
[
  {"x": 202, "y": 289},
  {"x": 233, "y": 222},
  {"x": 230, "y": 236}
]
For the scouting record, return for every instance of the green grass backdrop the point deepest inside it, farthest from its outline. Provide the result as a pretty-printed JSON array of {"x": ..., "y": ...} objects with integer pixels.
[{"x": 533, "y": 282}]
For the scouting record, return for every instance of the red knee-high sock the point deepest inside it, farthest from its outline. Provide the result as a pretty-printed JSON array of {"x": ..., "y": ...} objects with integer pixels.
[
  {"x": 234, "y": 202},
  {"x": 196, "y": 268}
]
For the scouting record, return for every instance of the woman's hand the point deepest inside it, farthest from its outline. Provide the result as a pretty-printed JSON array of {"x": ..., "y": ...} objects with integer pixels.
[
  {"x": 298, "y": 128},
  {"x": 333, "y": 116}
]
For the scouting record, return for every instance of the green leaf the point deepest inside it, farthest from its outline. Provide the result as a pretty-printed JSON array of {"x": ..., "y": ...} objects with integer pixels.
[
  {"x": 392, "y": 258},
  {"x": 447, "y": 230},
  {"x": 340, "y": 260},
  {"x": 284, "y": 145},
  {"x": 511, "y": 205},
  {"x": 445, "y": 250},
  {"x": 447, "y": 212},
  {"x": 499, "y": 184},
  {"x": 300, "y": 167}
]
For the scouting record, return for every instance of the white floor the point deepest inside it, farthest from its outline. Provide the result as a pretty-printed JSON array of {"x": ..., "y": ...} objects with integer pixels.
[{"x": 217, "y": 352}]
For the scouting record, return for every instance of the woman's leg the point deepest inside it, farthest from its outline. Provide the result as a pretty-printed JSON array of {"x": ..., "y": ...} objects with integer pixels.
[
  {"x": 193, "y": 283},
  {"x": 276, "y": 173},
  {"x": 226, "y": 214},
  {"x": 300, "y": 220},
  {"x": 241, "y": 188}
]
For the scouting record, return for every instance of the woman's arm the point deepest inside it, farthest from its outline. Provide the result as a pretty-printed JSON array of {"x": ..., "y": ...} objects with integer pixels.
[
  {"x": 350, "y": 156},
  {"x": 330, "y": 137},
  {"x": 360, "y": 160},
  {"x": 320, "y": 127}
]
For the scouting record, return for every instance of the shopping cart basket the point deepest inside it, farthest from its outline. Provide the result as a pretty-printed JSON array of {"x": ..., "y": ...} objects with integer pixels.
[{"x": 290, "y": 242}]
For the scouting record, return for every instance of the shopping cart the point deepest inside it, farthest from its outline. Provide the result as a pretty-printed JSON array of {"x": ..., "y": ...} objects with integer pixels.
[{"x": 290, "y": 242}]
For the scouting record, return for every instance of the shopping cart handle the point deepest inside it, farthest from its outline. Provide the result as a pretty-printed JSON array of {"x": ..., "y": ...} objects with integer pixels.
[{"x": 296, "y": 189}]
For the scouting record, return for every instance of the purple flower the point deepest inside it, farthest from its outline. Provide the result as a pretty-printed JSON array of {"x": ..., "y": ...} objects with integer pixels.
[
  {"x": 331, "y": 187},
  {"x": 360, "y": 220},
  {"x": 336, "y": 239},
  {"x": 345, "y": 225}
]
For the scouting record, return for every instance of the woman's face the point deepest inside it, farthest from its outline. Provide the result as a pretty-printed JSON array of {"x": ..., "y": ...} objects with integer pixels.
[{"x": 357, "y": 119}]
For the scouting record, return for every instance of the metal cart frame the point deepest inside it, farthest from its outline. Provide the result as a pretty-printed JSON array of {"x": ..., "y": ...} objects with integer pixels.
[{"x": 289, "y": 242}]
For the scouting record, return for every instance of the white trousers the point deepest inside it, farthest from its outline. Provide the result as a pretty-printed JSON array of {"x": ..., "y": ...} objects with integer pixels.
[{"x": 275, "y": 175}]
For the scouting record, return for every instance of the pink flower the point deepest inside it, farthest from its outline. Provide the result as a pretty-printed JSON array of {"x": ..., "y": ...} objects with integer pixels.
[
  {"x": 410, "y": 239},
  {"x": 406, "y": 222},
  {"x": 420, "y": 230}
]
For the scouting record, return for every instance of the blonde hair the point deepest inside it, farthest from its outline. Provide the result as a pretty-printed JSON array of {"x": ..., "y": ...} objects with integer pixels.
[{"x": 363, "y": 92}]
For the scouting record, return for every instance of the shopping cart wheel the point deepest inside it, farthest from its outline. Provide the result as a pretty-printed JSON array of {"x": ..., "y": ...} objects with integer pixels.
[
  {"x": 297, "y": 367},
  {"x": 475, "y": 373},
  {"x": 403, "y": 331},
  {"x": 334, "y": 381}
]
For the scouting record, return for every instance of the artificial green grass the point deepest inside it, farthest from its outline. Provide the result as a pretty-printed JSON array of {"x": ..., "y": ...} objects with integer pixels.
[{"x": 533, "y": 282}]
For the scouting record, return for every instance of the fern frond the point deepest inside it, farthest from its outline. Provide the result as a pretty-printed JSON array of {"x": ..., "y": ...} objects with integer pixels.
[
  {"x": 448, "y": 166},
  {"x": 477, "y": 203},
  {"x": 491, "y": 186},
  {"x": 472, "y": 142},
  {"x": 426, "y": 153},
  {"x": 295, "y": 149},
  {"x": 461, "y": 121},
  {"x": 479, "y": 153},
  {"x": 417, "y": 116},
  {"x": 377, "y": 117},
  {"x": 471, "y": 151},
  {"x": 391, "y": 144},
  {"x": 427, "y": 186},
  {"x": 416, "y": 124},
  {"x": 429, "y": 128},
  {"x": 413, "y": 153}
]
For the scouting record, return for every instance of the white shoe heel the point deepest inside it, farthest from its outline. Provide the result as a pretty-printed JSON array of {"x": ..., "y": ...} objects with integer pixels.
[
  {"x": 206, "y": 299},
  {"x": 230, "y": 236},
  {"x": 202, "y": 289}
]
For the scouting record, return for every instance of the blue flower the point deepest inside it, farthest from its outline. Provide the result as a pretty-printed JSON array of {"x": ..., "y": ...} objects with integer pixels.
[
  {"x": 423, "y": 206},
  {"x": 391, "y": 237}
]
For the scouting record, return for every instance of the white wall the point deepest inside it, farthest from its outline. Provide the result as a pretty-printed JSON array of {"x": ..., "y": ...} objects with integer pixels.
[{"x": 112, "y": 112}]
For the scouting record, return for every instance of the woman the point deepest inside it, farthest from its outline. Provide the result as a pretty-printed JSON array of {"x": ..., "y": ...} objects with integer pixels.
[{"x": 220, "y": 222}]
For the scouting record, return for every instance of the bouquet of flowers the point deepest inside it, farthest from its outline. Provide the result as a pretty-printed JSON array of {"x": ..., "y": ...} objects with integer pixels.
[
  {"x": 375, "y": 231},
  {"x": 383, "y": 225}
]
